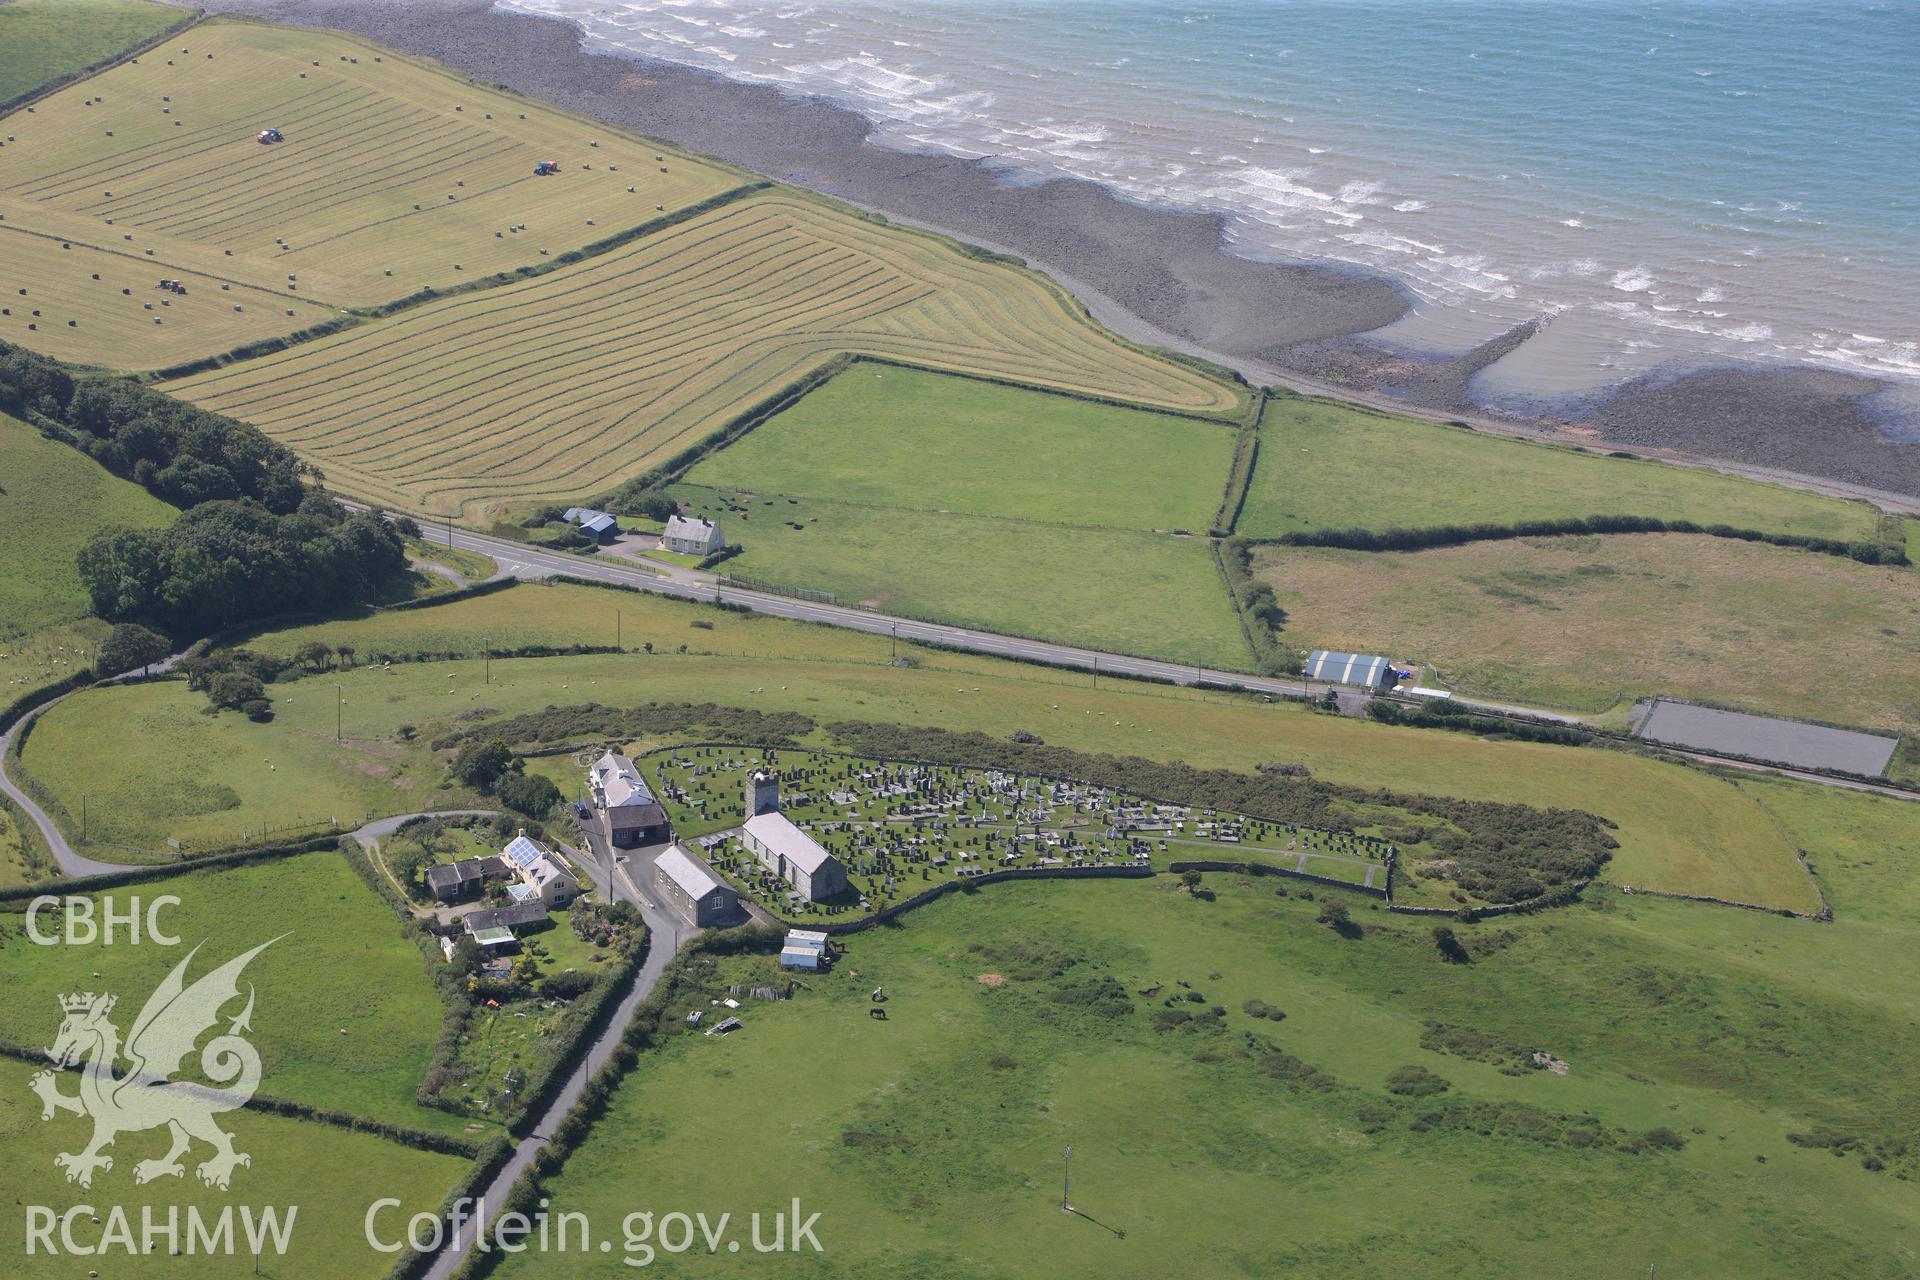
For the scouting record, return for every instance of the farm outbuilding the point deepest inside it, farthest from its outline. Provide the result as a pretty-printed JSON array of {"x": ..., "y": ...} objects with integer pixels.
[
  {"x": 1366, "y": 670},
  {"x": 598, "y": 525}
]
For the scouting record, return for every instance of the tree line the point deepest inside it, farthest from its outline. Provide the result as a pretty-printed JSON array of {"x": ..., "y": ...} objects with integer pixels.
[
  {"x": 258, "y": 536},
  {"x": 1453, "y": 535}
]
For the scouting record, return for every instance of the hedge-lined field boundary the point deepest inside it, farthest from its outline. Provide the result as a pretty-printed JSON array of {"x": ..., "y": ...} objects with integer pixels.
[
  {"x": 1246, "y": 454},
  {"x": 1454, "y": 535},
  {"x": 47, "y": 88},
  {"x": 15, "y": 897}
]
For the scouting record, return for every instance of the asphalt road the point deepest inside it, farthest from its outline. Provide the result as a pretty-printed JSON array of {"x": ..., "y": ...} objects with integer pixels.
[
  {"x": 524, "y": 561},
  {"x": 666, "y": 933}
]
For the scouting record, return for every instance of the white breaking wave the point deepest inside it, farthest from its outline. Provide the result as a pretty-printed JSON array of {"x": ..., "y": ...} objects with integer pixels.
[{"x": 1311, "y": 172}]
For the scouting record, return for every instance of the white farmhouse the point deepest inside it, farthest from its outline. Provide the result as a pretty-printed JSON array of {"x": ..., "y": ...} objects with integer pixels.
[{"x": 692, "y": 536}]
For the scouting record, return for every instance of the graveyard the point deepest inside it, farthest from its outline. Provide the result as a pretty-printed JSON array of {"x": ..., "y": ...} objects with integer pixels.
[{"x": 900, "y": 828}]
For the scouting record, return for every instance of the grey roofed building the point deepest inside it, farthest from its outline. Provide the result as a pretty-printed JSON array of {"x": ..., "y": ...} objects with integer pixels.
[
  {"x": 457, "y": 881},
  {"x": 794, "y": 856},
  {"x": 692, "y": 884},
  {"x": 691, "y": 535},
  {"x": 520, "y": 915},
  {"x": 1366, "y": 670},
  {"x": 777, "y": 832},
  {"x": 630, "y": 814},
  {"x": 598, "y": 525},
  {"x": 520, "y": 851}
]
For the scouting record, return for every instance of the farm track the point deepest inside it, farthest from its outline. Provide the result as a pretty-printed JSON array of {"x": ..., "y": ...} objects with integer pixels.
[{"x": 568, "y": 382}]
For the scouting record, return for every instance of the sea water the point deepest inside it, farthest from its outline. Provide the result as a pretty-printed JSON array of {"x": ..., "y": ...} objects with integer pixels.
[{"x": 1667, "y": 183}]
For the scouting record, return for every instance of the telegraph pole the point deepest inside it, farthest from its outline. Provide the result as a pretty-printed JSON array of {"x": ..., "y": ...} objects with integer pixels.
[
  {"x": 339, "y": 701},
  {"x": 896, "y": 641},
  {"x": 83, "y": 817},
  {"x": 1066, "y": 1179},
  {"x": 486, "y": 659},
  {"x": 1096, "y": 671},
  {"x": 616, "y": 628}
]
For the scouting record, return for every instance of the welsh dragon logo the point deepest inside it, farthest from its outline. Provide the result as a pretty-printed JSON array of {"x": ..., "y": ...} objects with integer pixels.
[{"x": 147, "y": 1096}]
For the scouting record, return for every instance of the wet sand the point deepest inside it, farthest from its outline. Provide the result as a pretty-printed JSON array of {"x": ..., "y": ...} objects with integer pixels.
[{"x": 1155, "y": 275}]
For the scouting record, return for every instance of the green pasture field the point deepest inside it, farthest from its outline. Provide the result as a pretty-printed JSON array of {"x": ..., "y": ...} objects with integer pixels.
[
  {"x": 46, "y": 631},
  {"x": 394, "y": 175},
  {"x": 1680, "y": 829},
  {"x": 340, "y": 964},
  {"x": 1327, "y": 465},
  {"x": 41, "y": 40},
  {"x": 20, "y": 849},
  {"x": 1249, "y": 1147},
  {"x": 328, "y": 1174},
  {"x": 891, "y": 437},
  {"x": 212, "y": 781},
  {"x": 560, "y": 614},
  {"x": 1113, "y": 589},
  {"x": 1584, "y": 622},
  {"x": 561, "y": 386},
  {"x": 52, "y": 497}
]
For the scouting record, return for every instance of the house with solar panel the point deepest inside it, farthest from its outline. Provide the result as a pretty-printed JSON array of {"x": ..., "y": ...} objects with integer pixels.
[
  {"x": 598, "y": 525},
  {"x": 1368, "y": 671},
  {"x": 543, "y": 878},
  {"x": 785, "y": 849},
  {"x": 692, "y": 536},
  {"x": 628, "y": 814}
]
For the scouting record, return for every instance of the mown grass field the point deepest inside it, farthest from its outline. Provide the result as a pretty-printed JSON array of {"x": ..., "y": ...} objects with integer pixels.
[
  {"x": 1112, "y": 589},
  {"x": 560, "y": 386},
  {"x": 1326, "y": 465},
  {"x": 1680, "y": 829},
  {"x": 903, "y": 438},
  {"x": 342, "y": 964},
  {"x": 394, "y": 173},
  {"x": 1583, "y": 622},
  {"x": 933, "y": 1145},
  {"x": 79, "y": 295},
  {"x": 41, "y": 40},
  {"x": 328, "y": 1174}
]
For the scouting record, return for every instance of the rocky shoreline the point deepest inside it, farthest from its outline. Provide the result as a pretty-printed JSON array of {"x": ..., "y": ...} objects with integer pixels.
[{"x": 1155, "y": 275}]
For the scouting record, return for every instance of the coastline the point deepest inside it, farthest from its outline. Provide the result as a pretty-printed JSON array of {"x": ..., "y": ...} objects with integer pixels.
[{"x": 1157, "y": 276}]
